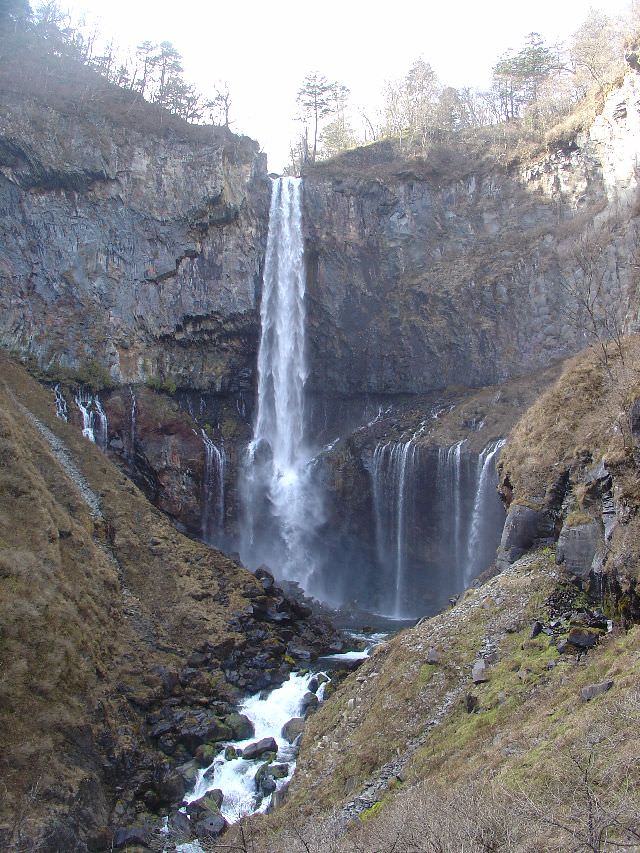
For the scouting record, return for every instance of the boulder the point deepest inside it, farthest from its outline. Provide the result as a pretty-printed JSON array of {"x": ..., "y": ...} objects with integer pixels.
[
  {"x": 592, "y": 690},
  {"x": 180, "y": 826},
  {"x": 577, "y": 547},
  {"x": 210, "y": 827},
  {"x": 170, "y": 789},
  {"x": 293, "y": 729},
  {"x": 241, "y": 726},
  {"x": 206, "y": 753},
  {"x": 259, "y": 748},
  {"x": 522, "y": 527},
  {"x": 583, "y": 638},
  {"x": 479, "y": 672},
  {"x": 309, "y": 703},
  {"x": 131, "y": 836},
  {"x": 188, "y": 771},
  {"x": 206, "y": 806},
  {"x": 433, "y": 656}
]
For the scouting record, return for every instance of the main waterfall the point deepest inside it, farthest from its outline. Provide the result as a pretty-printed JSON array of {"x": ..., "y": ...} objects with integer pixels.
[{"x": 282, "y": 510}]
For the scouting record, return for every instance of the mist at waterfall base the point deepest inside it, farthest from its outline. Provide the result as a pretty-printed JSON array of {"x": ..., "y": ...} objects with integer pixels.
[{"x": 432, "y": 517}]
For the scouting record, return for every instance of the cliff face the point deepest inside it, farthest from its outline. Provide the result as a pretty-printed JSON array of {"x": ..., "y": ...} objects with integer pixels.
[
  {"x": 455, "y": 271},
  {"x": 142, "y": 252}
]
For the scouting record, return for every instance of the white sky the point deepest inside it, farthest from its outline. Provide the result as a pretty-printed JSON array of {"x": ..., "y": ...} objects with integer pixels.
[{"x": 264, "y": 49}]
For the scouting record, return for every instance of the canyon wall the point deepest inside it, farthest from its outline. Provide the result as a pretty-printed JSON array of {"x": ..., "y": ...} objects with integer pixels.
[
  {"x": 141, "y": 252},
  {"x": 455, "y": 269}
]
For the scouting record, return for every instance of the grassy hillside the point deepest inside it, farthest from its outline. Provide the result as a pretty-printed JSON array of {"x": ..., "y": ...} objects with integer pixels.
[{"x": 426, "y": 749}]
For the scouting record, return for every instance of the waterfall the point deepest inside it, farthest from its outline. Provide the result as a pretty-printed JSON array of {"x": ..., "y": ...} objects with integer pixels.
[
  {"x": 282, "y": 509},
  {"x": 485, "y": 497},
  {"x": 437, "y": 520},
  {"x": 94, "y": 418},
  {"x": 102, "y": 431},
  {"x": 394, "y": 487},
  {"x": 132, "y": 425},
  {"x": 212, "y": 519},
  {"x": 62, "y": 410},
  {"x": 449, "y": 479}
]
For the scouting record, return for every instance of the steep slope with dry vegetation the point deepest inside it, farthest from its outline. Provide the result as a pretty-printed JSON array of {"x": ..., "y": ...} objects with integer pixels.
[{"x": 108, "y": 617}]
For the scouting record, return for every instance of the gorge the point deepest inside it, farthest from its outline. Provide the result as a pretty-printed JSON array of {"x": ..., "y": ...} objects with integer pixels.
[{"x": 239, "y": 410}]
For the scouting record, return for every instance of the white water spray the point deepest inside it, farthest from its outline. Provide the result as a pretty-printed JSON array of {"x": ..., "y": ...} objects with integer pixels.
[
  {"x": 236, "y": 777},
  {"x": 95, "y": 426},
  {"x": 281, "y": 507},
  {"x": 62, "y": 410}
]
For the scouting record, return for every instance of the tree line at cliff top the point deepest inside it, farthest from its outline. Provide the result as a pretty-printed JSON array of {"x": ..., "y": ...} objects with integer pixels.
[{"x": 532, "y": 88}]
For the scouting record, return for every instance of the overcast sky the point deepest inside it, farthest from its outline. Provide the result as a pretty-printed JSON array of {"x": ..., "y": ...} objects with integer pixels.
[{"x": 264, "y": 49}]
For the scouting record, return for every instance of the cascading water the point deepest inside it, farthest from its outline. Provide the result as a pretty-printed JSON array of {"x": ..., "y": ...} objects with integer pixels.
[
  {"x": 212, "y": 520},
  {"x": 481, "y": 546},
  {"x": 94, "y": 420},
  {"x": 132, "y": 425},
  {"x": 236, "y": 777},
  {"x": 62, "y": 410},
  {"x": 101, "y": 431},
  {"x": 282, "y": 508},
  {"x": 394, "y": 484},
  {"x": 449, "y": 480},
  {"x": 437, "y": 520}
]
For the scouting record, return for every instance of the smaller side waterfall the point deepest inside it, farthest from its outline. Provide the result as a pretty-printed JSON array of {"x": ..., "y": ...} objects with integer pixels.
[
  {"x": 132, "y": 425},
  {"x": 212, "y": 519},
  {"x": 62, "y": 410},
  {"x": 95, "y": 426},
  {"x": 449, "y": 482},
  {"x": 481, "y": 518},
  {"x": 437, "y": 520},
  {"x": 394, "y": 485}
]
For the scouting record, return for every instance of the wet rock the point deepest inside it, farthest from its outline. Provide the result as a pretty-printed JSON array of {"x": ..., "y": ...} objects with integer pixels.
[
  {"x": 293, "y": 729},
  {"x": 180, "y": 826},
  {"x": 230, "y": 753},
  {"x": 206, "y": 753},
  {"x": 309, "y": 703},
  {"x": 592, "y": 690},
  {"x": 131, "y": 835},
  {"x": 279, "y": 797},
  {"x": 260, "y": 747},
  {"x": 206, "y": 806},
  {"x": 194, "y": 732},
  {"x": 241, "y": 726},
  {"x": 210, "y": 827}
]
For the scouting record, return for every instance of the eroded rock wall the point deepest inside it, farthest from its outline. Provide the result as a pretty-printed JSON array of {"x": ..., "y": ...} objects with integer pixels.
[
  {"x": 142, "y": 252},
  {"x": 457, "y": 271}
]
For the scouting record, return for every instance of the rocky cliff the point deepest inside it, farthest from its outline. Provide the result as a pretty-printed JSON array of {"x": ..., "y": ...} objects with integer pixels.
[
  {"x": 457, "y": 269},
  {"x": 139, "y": 251}
]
